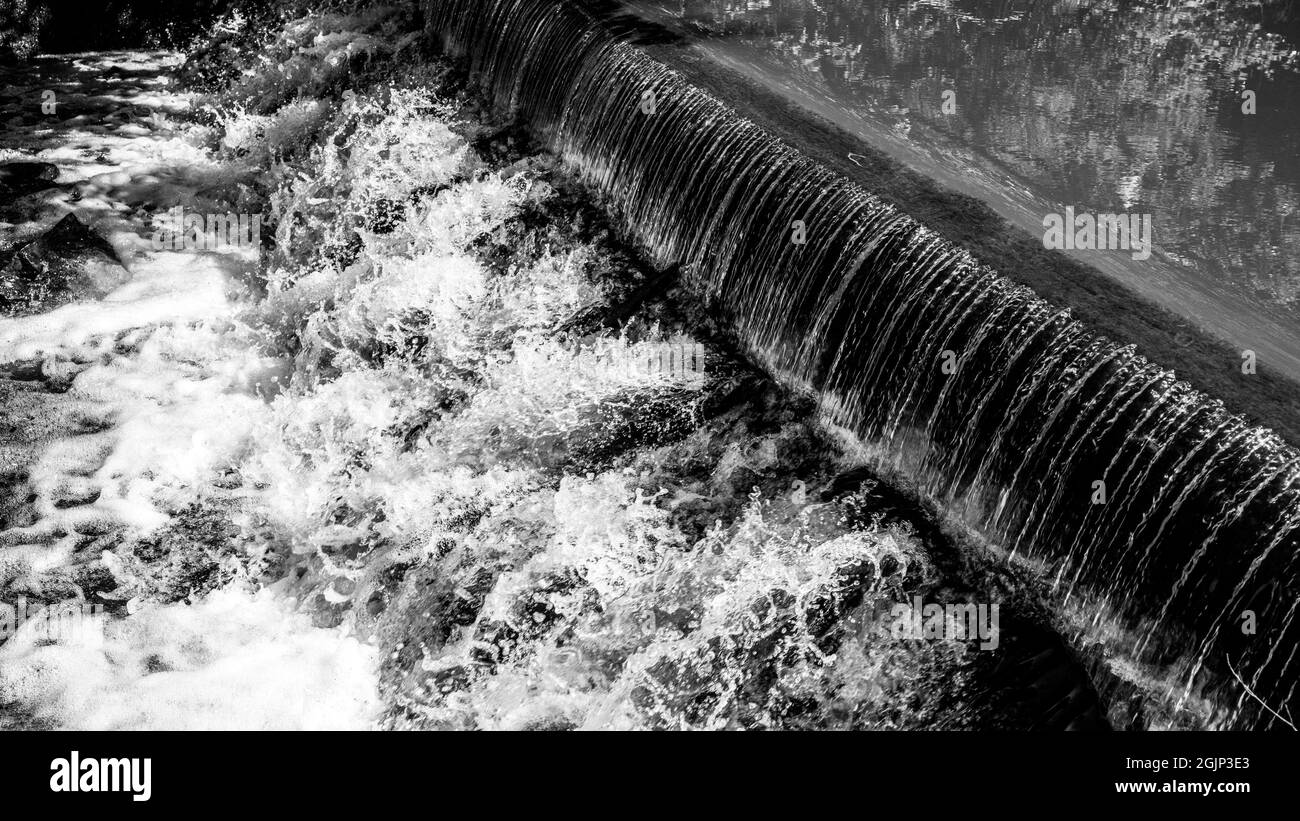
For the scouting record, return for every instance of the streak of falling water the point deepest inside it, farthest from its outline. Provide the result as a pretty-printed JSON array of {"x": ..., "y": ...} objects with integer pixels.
[{"x": 1201, "y": 514}]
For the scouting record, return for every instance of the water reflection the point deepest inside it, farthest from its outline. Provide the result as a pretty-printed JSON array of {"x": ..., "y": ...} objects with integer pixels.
[{"x": 1105, "y": 105}]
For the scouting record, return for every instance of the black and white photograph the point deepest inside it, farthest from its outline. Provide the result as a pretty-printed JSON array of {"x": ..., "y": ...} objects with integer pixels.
[{"x": 925, "y": 371}]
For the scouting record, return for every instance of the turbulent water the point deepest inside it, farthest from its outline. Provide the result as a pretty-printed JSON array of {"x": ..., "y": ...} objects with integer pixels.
[
  {"x": 1155, "y": 513},
  {"x": 442, "y": 451},
  {"x": 400, "y": 471},
  {"x": 123, "y": 421}
]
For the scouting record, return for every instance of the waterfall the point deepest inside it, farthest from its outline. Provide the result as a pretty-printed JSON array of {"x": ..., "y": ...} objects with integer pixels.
[{"x": 1145, "y": 498}]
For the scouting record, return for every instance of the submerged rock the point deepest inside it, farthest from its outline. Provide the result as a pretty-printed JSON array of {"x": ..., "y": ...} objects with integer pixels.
[
  {"x": 66, "y": 263},
  {"x": 19, "y": 178}
]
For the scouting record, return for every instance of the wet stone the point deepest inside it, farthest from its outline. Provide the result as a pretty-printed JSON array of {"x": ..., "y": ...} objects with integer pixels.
[
  {"x": 66, "y": 263},
  {"x": 19, "y": 178}
]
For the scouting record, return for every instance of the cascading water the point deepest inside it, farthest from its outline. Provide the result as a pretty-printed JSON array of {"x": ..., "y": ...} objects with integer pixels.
[{"x": 1151, "y": 505}]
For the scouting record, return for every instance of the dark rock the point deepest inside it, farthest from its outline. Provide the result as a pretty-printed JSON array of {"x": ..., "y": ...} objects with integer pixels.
[
  {"x": 76, "y": 497},
  {"x": 66, "y": 263},
  {"x": 19, "y": 178}
]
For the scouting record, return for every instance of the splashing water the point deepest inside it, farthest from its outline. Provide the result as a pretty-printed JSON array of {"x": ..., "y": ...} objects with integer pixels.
[
  {"x": 465, "y": 515},
  {"x": 430, "y": 492},
  {"x": 1201, "y": 518},
  {"x": 231, "y": 661}
]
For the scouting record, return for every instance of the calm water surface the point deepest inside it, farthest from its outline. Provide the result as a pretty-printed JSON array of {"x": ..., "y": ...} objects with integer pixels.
[{"x": 1107, "y": 106}]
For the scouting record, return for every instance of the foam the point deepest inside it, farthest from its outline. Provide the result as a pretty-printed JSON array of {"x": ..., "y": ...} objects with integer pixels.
[
  {"x": 235, "y": 661},
  {"x": 169, "y": 386}
]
